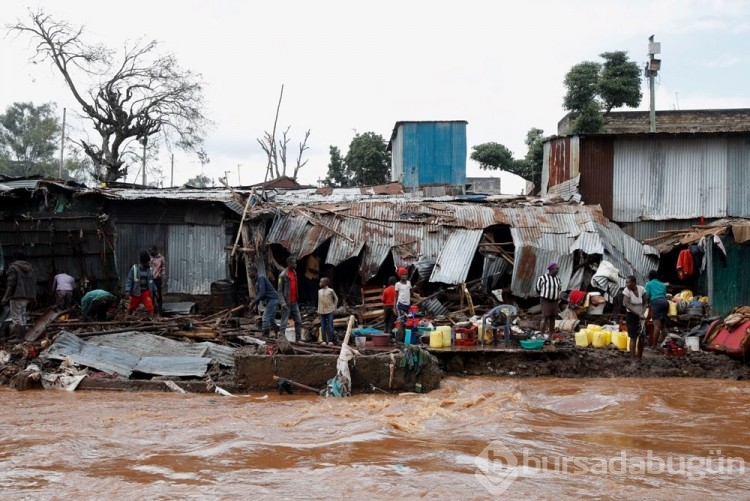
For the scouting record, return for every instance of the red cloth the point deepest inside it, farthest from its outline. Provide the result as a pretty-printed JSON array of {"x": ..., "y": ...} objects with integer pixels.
[
  {"x": 684, "y": 264},
  {"x": 292, "y": 285},
  {"x": 576, "y": 297},
  {"x": 389, "y": 296}
]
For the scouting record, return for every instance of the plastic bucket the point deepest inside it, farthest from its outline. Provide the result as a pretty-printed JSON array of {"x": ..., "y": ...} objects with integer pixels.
[{"x": 693, "y": 343}]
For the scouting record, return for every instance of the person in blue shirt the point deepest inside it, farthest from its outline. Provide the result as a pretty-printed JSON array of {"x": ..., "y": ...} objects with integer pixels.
[
  {"x": 656, "y": 294},
  {"x": 264, "y": 291}
]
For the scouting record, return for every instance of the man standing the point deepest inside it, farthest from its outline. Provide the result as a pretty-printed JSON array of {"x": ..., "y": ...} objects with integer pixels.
[
  {"x": 21, "y": 288},
  {"x": 264, "y": 291},
  {"x": 159, "y": 272},
  {"x": 63, "y": 286},
  {"x": 140, "y": 285},
  {"x": 389, "y": 299},
  {"x": 549, "y": 287},
  {"x": 402, "y": 302},
  {"x": 289, "y": 292}
]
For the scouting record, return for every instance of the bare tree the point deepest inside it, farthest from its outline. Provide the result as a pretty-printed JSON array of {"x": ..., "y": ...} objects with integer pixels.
[
  {"x": 141, "y": 96},
  {"x": 277, "y": 151}
]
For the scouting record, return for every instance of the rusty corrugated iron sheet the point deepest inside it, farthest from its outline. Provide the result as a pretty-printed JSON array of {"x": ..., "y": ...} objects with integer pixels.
[
  {"x": 449, "y": 233},
  {"x": 597, "y": 172}
]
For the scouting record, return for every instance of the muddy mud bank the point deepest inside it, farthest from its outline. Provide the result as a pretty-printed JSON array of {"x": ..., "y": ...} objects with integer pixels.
[{"x": 592, "y": 362}]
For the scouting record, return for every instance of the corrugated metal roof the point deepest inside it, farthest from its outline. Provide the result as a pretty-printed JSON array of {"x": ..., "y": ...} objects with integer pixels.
[
  {"x": 101, "y": 358},
  {"x": 145, "y": 344},
  {"x": 493, "y": 269},
  {"x": 347, "y": 243},
  {"x": 197, "y": 194},
  {"x": 454, "y": 261},
  {"x": 121, "y": 361}
]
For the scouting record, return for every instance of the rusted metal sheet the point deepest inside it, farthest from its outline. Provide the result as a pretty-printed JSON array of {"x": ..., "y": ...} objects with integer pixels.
[
  {"x": 493, "y": 269},
  {"x": 288, "y": 230},
  {"x": 596, "y": 168},
  {"x": 454, "y": 261},
  {"x": 531, "y": 262},
  {"x": 559, "y": 160}
]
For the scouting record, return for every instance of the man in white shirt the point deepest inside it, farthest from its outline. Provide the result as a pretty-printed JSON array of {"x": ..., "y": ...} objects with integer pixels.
[{"x": 63, "y": 286}]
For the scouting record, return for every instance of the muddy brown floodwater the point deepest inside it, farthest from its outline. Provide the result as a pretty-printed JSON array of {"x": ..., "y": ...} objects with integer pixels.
[{"x": 474, "y": 438}]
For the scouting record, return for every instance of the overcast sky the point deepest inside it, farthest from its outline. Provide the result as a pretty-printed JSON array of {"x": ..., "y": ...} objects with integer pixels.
[{"x": 361, "y": 66}]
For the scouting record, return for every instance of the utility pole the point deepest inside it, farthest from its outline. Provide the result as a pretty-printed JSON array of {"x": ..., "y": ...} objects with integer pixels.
[
  {"x": 239, "y": 183},
  {"x": 62, "y": 145},
  {"x": 145, "y": 141},
  {"x": 171, "y": 179},
  {"x": 652, "y": 68}
]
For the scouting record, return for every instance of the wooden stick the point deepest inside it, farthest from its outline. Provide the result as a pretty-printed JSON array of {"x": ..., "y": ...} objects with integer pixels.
[{"x": 298, "y": 385}]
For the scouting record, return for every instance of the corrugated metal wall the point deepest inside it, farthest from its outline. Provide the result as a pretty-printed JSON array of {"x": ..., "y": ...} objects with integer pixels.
[
  {"x": 660, "y": 177},
  {"x": 196, "y": 258},
  {"x": 452, "y": 265},
  {"x": 596, "y": 165},
  {"x": 195, "y": 254},
  {"x": 397, "y": 158},
  {"x": 731, "y": 283},
  {"x": 738, "y": 175},
  {"x": 670, "y": 178},
  {"x": 430, "y": 153}
]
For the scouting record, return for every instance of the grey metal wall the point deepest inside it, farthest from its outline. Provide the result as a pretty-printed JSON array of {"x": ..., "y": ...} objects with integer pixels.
[
  {"x": 196, "y": 258},
  {"x": 670, "y": 178}
]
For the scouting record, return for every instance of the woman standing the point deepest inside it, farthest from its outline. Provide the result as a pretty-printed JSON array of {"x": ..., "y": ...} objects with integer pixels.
[
  {"x": 656, "y": 293},
  {"x": 633, "y": 301}
]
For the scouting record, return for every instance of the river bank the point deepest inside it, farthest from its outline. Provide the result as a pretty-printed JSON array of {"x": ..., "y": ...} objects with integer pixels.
[{"x": 589, "y": 363}]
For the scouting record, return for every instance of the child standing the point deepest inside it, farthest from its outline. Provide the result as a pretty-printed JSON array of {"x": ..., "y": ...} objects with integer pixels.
[
  {"x": 389, "y": 299},
  {"x": 327, "y": 301}
]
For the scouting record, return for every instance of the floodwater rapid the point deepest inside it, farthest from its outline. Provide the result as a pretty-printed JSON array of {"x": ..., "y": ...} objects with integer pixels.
[{"x": 474, "y": 438}]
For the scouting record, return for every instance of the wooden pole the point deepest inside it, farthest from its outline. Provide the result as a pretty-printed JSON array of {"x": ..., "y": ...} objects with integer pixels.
[{"x": 298, "y": 385}]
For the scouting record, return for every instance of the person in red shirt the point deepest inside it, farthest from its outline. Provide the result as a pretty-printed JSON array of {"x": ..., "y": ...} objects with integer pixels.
[
  {"x": 389, "y": 299},
  {"x": 288, "y": 292}
]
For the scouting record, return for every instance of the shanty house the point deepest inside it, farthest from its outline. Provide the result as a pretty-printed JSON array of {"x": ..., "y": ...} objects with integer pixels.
[
  {"x": 428, "y": 153},
  {"x": 693, "y": 171}
]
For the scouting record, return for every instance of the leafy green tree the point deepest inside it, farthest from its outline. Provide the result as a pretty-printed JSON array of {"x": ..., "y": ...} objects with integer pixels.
[
  {"x": 28, "y": 140},
  {"x": 200, "y": 181},
  {"x": 495, "y": 156},
  {"x": 367, "y": 163},
  {"x": 369, "y": 160},
  {"x": 535, "y": 155},
  {"x": 593, "y": 87},
  {"x": 142, "y": 97},
  {"x": 338, "y": 172}
]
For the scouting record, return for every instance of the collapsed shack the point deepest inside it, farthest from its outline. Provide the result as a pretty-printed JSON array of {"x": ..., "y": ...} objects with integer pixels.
[{"x": 490, "y": 248}]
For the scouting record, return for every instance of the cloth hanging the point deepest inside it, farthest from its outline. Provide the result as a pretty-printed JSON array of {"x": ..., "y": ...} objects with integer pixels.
[
  {"x": 723, "y": 256},
  {"x": 684, "y": 264}
]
